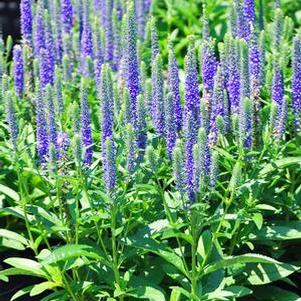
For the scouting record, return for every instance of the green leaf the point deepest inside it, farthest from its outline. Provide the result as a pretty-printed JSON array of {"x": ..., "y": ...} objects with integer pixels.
[
  {"x": 172, "y": 272},
  {"x": 9, "y": 192},
  {"x": 282, "y": 163},
  {"x": 241, "y": 259},
  {"x": 11, "y": 244},
  {"x": 265, "y": 207},
  {"x": 204, "y": 244},
  {"x": 182, "y": 291},
  {"x": 287, "y": 231},
  {"x": 177, "y": 233},
  {"x": 4, "y": 278},
  {"x": 275, "y": 294},
  {"x": 175, "y": 295},
  {"x": 72, "y": 251},
  {"x": 9, "y": 44},
  {"x": 17, "y": 271},
  {"x": 225, "y": 154},
  {"x": 21, "y": 293},
  {"x": 42, "y": 287},
  {"x": 239, "y": 291},
  {"x": 151, "y": 245},
  {"x": 258, "y": 220},
  {"x": 157, "y": 226},
  {"x": 13, "y": 236},
  {"x": 266, "y": 273},
  {"x": 60, "y": 295},
  {"x": 229, "y": 292},
  {"x": 14, "y": 211},
  {"x": 27, "y": 265},
  {"x": 39, "y": 212},
  {"x": 147, "y": 292},
  {"x": 213, "y": 281}
]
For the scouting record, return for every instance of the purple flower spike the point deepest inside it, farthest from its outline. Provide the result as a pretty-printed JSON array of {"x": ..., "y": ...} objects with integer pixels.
[
  {"x": 255, "y": 58},
  {"x": 246, "y": 123},
  {"x": 278, "y": 85},
  {"x": 86, "y": 49},
  {"x": 131, "y": 58},
  {"x": 141, "y": 17},
  {"x": 141, "y": 123},
  {"x": 173, "y": 86},
  {"x": 241, "y": 22},
  {"x": 39, "y": 35},
  {"x": 109, "y": 165},
  {"x": 49, "y": 47},
  {"x": 18, "y": 69},
  {"x": 205, "y": 24},
  {"x": 278, "y": 99},
  {"x": 244, "y": 70},
  {"x": 67, "y": 15},
  {"x": 171, "y": 131},
  {"x": 214, "y": 170},
  {"x": 281, "y": 121},
  {"x": 296, "y": 83},
  {"x": 46, "y": 72},
  {"x": 249, "y": 11},
  {"x": 154, "y": 39},
  {"x": 86, "y": 132},
  {"x": 190, "y": 137},
  {"x": 26, "y": 21},
  {"x": 201, "y": 154},
  {"x": 233, "y": 21},
  {"x": 42, "y": 132},
  {"x": 147, "y": 6},
  {"x": 58, "y": 32},
  {"x": 11, "y": 118},
  {"x": 233, "y": 83},
  {"x": 63, "y": 143},
  {"x": 99, "y": 45},
  {"x": 209, "y": 65},
  {"x": 278, "y": 27},
  {"x": 108, "y": 26},
  {"x": 192, "y": 96},
  {"x": 158, "y": 95},
  {"x": 191, "y": 114},
  {"x": 256, "y": 71},
  {"x": 106, "y": 103},
  {"x": 178, "y": 167},
  {"x": 217, "y": 107},
  {"x": 130, "y": 148},
  {"x": 58, "y": 90},
  {"x": 117, "y": 40},
  {"x": 51, "y": 118},
  {"x": 250, "y": 16}
]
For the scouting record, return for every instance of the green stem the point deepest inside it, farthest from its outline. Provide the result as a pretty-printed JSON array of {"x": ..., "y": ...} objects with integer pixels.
[
  {"x": 233, "y": 241},
  {"x": 169, "y": 217},
  {"x": 114, "y": 248},
  {"x": 99, "y": 233},
  {"x": 194, "y": 276},
  {"x": 214, "y": 236},
  {"x": 69, "y": 289},
  {"x": 23, "y": 196}
]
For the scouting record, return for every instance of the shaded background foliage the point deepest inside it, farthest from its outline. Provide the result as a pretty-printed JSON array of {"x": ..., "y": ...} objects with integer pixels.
[
  {"x": 10, "y": 18},
  {"x": 182, "y": 18}
]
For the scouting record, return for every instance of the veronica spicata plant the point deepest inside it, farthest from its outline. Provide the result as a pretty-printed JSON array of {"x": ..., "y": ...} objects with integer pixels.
[{"x": 139, "y": 165}]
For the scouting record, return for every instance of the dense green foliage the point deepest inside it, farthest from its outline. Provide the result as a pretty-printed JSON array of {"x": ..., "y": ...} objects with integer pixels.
[{"x": 182, "y": 18}]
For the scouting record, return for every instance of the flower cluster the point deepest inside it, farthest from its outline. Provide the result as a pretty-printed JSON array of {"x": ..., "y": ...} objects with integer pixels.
[{"x": 127, "y": 93}]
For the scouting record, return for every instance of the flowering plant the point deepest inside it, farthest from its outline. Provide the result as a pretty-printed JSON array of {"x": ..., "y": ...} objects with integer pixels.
[{"x": 124, "y": 176}]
